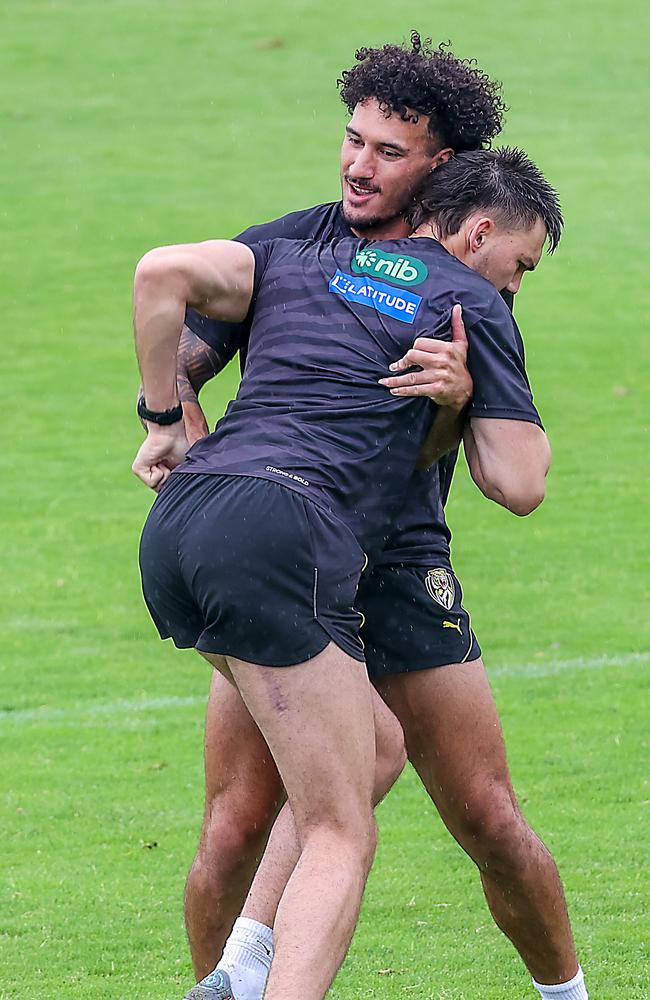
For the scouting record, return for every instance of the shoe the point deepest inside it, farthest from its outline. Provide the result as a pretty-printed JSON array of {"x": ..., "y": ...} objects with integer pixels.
[{"x": 216, "y": 986}]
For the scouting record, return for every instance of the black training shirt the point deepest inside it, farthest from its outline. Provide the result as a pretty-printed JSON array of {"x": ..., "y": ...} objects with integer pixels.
[{"x": 328, "y": 319}]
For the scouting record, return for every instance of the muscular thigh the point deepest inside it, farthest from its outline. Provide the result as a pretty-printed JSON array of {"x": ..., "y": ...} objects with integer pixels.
[
  {"x": 453, "y": 735},
  {"x": 317, "y": 718}
]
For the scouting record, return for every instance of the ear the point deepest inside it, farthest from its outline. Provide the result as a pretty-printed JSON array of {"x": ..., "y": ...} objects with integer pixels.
[
  {"x": 441, "y": 157},
  {"x": 479, "y": 231}
]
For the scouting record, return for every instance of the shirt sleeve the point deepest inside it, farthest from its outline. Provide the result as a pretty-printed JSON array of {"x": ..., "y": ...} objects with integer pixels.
[
  {"x": 262, "y": 254},
  {"x": 496, "y": 362},
  {"x": 228, "y": 338}
]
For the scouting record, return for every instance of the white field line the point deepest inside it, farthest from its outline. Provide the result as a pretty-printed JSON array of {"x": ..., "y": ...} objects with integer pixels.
[
  {"x": 148, "y": 706},
  {"x": 547, "y": 668},
  {"x": 124, "y": 706}
]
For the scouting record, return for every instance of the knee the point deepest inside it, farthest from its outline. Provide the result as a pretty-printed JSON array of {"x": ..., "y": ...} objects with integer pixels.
[
  {"x": 353, "y": 839},
  {"x": 235, "y": 829},
  {"x": 491, "y": 828},
  {"x": 339, "y": 821}
]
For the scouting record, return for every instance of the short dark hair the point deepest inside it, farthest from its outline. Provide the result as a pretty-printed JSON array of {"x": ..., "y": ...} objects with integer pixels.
[
  {"x": 463, "y": 104},
  {"x": 504, "y": 180}
]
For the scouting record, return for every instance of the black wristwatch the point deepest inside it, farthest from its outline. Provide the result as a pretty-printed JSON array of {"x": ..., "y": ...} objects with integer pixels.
[{"x": 162, "y": 417}]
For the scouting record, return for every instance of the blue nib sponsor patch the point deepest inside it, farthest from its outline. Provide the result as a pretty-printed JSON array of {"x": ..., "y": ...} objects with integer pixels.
[{"x": 396, "y": 302}]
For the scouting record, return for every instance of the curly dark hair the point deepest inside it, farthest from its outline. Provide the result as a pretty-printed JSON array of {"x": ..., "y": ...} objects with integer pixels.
[
  {"x": 504, "y": 181},
  {"x": 463, "y": 104}
]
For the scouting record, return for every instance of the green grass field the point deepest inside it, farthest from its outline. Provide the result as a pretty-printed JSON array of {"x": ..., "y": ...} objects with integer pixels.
[{"x": 129, "y": 123}]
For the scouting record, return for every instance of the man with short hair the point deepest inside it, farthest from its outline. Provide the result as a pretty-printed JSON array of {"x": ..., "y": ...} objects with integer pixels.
[
  {"x": 283, "y": 485},
  {"x": 398, "y": 98}
]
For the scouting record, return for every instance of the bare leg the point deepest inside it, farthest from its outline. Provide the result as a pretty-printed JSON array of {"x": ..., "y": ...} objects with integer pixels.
[
  {"x": 454, "y": 741},
  {"x": 318, "y": 722},
  {"x": 243, "y": 795},
  {"x": 283, "y": 850}
]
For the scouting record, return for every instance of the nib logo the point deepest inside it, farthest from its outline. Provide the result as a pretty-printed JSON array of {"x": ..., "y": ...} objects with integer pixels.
[
  {"x": 399, "y": 269},
  {"x": 366, "y": 258}
]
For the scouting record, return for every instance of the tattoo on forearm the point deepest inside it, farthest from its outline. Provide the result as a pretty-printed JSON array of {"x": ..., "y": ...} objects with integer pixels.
[{"x": 196, "y": 364}]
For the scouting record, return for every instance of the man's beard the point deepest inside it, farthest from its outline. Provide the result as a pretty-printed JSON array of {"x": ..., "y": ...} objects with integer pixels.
[
  {"x": 365, "y": 223},
  {"x": 394, "y": 213}
]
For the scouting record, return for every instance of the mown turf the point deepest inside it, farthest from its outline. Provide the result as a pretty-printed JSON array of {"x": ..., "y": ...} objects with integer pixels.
[{"x": 128, "y": 124}]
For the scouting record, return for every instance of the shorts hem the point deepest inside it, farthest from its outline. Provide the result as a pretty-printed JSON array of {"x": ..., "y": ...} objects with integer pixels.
[
  {"x": 179, "y": 643},
  {"x": 433, "y": 663},
  {"x": 356, "y": 653},
  {"x": 224, "y": 649}
]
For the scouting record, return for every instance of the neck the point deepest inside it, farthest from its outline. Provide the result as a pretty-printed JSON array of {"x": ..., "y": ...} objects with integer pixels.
[
  {"x": 391, "y": 229},
  {"x": 454, "y": 244}
]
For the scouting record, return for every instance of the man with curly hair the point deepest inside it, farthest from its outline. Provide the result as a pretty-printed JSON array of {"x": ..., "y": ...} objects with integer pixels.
[{"x": 411, "y": 108}]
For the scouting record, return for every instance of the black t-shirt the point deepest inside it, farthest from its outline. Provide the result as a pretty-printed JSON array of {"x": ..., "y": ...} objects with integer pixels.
[
  {"x": 323, "y": 222},
  {"x": 327, "y": 320}
]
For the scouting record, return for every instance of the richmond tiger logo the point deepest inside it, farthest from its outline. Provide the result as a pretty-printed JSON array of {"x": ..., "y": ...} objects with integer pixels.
[{"x": 440, "y": 586}]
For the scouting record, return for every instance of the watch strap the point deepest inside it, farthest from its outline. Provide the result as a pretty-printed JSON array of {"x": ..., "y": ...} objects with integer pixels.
[{"x": 161, "y": 417}]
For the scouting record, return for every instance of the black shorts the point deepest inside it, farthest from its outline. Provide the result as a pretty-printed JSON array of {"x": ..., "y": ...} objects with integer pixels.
[
  {"x": 414, "y": 619},
  {"x": 249, "y": 568}
]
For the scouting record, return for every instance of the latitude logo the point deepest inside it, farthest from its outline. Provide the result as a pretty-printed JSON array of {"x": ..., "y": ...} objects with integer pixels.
[{"x": 400, "y": 269}]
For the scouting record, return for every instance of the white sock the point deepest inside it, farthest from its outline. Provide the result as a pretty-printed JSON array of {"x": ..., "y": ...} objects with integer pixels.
[
  {"x": 247, "y": 958},
  {"x": 575, "y": 989}
]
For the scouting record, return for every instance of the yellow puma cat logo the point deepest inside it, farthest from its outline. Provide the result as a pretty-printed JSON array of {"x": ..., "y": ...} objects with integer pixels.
[{"x": 448, "y": 624}]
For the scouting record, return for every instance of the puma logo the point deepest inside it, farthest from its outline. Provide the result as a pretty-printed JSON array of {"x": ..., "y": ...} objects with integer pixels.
[{"x": 456, "y": 625}]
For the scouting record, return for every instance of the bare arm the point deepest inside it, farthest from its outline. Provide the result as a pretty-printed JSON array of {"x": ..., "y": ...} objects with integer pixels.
[
  {"x": 214, "y": 277},
  {"x": 196, "y": 364},
  {"x": 445, "y": 434},
  {"x": 508, "y": 461}
]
